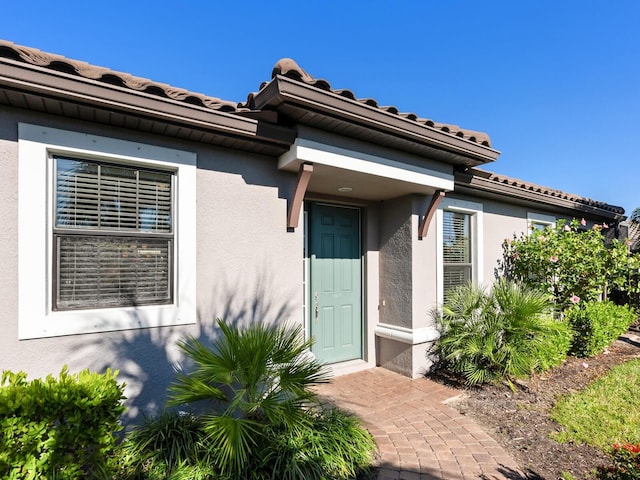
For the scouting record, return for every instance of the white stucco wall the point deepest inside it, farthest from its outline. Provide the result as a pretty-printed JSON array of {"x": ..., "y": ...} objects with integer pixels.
[{"x": 248, "y": 265}]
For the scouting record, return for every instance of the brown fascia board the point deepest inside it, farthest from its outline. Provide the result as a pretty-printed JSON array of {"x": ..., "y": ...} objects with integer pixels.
[
  {"x": 479, "y": 186},
  {"x": 283, "y": 90},
  {"x": 37, "y": 80}
]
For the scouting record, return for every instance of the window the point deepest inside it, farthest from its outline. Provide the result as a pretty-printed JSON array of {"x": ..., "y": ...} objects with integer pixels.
[
  {"x": 112, "y": 235},
  {"x": 538, "y": 221},
  {"x": 459, "y": 246},
  {"x": 107, "y": 234},
  {"x": 456, "y": 249}
]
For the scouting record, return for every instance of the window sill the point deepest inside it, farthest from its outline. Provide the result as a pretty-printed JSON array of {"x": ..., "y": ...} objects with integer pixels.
[{"x": 104, "y": 320}]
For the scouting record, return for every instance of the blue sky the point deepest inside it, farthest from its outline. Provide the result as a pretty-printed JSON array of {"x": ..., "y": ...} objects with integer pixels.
[{"x": 556, "y": 84}]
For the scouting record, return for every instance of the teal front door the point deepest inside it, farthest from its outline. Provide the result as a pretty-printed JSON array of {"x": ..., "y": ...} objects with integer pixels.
[{"x": 336, "y": 283}]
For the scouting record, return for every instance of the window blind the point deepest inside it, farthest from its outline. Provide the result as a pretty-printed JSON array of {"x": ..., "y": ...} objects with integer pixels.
[
  {"x": 95, "y": 196},
  {"x": 104, "y": 271},
  {"x": 457, "y": 261},
  {"x": 113, "y": 235}
]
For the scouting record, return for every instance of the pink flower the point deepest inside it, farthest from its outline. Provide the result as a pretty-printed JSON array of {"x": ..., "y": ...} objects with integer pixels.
[
  {"x": 628, "y": 243},
  {"x": 567, "y": 228},
  {"x": 553, "y": 258},
  {"x": 575, "y": 299},
  {"x": 583, "y": 222},
  {"x": 542, "y": 238},
  {"x": 604, "y": 225}
]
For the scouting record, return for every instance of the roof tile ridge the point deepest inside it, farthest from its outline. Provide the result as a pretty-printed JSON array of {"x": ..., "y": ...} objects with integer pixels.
[
  {"x": 83, "y": 69},
  {"x": 516, "y": 182},
  {"x": 289, "y": 68}
]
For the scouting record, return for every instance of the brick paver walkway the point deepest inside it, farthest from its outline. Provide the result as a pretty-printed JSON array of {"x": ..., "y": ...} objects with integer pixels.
[{"x": 418, "y": 435}]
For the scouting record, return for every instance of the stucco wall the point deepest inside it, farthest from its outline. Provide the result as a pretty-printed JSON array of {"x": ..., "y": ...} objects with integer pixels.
[
  {"x": 503, "y": 220},
  {"x": 407, "y": 286},
  {"x": 248, "y": 265},
  {"x": 396, "y": 255},
  {"x": 424, "y": 266}
]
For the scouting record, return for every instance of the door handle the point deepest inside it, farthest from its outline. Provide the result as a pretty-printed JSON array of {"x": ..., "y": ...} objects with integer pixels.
[{"x": 316, "y": 308}]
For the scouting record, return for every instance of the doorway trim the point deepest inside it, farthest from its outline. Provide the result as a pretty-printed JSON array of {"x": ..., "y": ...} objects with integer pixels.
[{"x": 308, "y": 303}]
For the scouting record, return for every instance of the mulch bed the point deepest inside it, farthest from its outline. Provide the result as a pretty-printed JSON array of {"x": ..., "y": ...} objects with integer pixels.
[{"x": 520, "y": 422}]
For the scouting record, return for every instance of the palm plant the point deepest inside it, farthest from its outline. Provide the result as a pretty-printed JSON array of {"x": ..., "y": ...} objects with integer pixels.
[
  {"x": 487, "y": 337},
  {"x": 255, "y": 380}
]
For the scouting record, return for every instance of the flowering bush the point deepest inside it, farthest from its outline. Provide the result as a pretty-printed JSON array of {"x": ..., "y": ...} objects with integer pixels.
[
  {"x": 572, "y": 263},
  {"x": 626, "y": 463}
]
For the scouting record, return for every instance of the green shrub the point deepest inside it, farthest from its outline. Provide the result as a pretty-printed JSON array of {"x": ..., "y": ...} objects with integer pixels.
[
  {"x": 553, "y": 346},
  {"x": 164, "y": 445},
  {"x": 332, "y": 445},
  {"x": 489, "y": 337},
  {"x": 596, "y": 325},
  {"x": 260, "y": 418},
  {"x": 60, "y": 428}
]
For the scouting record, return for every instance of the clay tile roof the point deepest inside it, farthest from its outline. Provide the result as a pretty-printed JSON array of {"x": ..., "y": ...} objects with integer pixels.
[
  {"x": 59, "y": 63},
  {"x": 289, "y": 68},
  {"x": 553, "y": 193}
]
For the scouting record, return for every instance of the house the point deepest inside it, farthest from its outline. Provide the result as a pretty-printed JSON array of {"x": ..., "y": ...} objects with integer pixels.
[
  {"x": 135, "y": 213},
  {"x": 630, "y": 230}
]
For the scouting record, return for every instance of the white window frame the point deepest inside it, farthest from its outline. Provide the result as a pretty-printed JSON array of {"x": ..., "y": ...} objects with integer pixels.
[
  {"x": 36, "y": 147},
  {"x": 540, "y": 219},
  {"x": 475, "y": 210}
]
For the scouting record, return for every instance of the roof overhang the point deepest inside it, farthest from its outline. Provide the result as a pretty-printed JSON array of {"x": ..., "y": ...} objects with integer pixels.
[
  {"x": 33, "y": 87},
  {"x": 353, "y": 174},
  {"x": 482, "y": 183},
  {"x": 310, "y": 105}
]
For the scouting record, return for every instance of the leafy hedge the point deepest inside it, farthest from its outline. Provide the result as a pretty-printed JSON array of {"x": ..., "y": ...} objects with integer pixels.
[
  {"x": 596, "y": 325},
  {"x": 552, "y": 348},
  {"x": 60, "y": 428}
]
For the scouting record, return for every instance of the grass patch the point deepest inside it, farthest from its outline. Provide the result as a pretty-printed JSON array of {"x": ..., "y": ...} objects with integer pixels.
[{"x": 606, "y": 412}]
